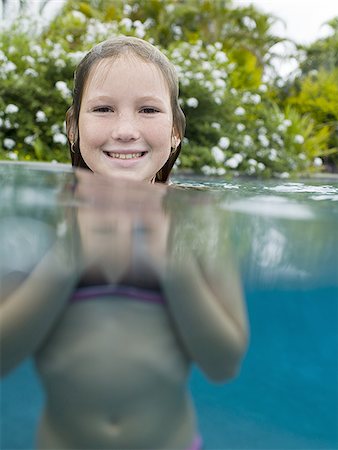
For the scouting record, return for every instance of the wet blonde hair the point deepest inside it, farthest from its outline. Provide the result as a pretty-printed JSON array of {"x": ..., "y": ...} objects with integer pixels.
[{"x": 113, "y": 48}]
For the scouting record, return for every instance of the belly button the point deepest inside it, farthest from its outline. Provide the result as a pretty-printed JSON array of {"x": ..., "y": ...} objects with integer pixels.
[{"x": 114, "y": 427}]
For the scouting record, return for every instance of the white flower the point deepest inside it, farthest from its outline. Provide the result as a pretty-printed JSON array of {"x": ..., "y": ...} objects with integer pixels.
[
  {"x": 247, "y": 141},
  {"x": 220, "y": 171},
  {"x": 176, "y": 53},
  {"x": 36, "y": 49},
  {"x": 249, "y": 22},
  {"x": 199, "y": 76},
  {"x": 221, "y": 57},
  {"x": 149, "y": 23},
  {"x": 299, "y": 139},
  {"x": 318, "y": 162},
  {"x": 239, "y": 111},
  {"x": 12, "y": 155},
  {"x": 177, "y": 30},
  {"x": 207, "y": 170},
  {"x": 224, "y": 142},
  {"x": 29, "y": 139},
  {"x": 232, "y": 163},
  {"x": 277, "y": 139},
  {"x": 62, "y": 87},
  {"x": 76, "y": 56},
  {"x": 216, "y": 73},
  {"x": 252, "y": 162},
  {"x": 11, "y": 109},
  {"x": 263, "y": 140},
  {"x": 220, "y": 83},
  {"x": 40, "y": 116},
  {"x": 140, "y": 32},
  {"x": 263, "y": 88},
  {"x": 56, "y": 51},
  {"x": 284, "y": 175},
  {"x": 30, "y": 73},
  {"x": 127, "y": 9},
  {"x": 8, "y": 67},
  {"x": 194, "y": 54},
  {"x": 218, "y": 154},
  {"x": 238, "y": 157},
  {"x": 261, "y": 166},
  {"x": 246, "y": 97},
  {"x": 60, "y": 63},
  {"x": 280, "y": 82},
  {"x": 255, "y": 99},
  {"x": 206, "y": 66},
  {"x": 216, "y": 125},
  {"x": 177, "y": 163},
  {"x": 287, "y": 122},
  {"x": 9, "y": 143},
  {"x": 302, "y": 156},
  {"x": 79, "y": 15},
  {"x": 273, "y": 154},
  {"x": 60, "y": 138},
  {"x": 240, "y": 127},
  {"x": 29, "y": 59},
  {"x": 170, "y": 8},
  {"x": 3, "y": 57},
  {"x": 192, "y": 102}
]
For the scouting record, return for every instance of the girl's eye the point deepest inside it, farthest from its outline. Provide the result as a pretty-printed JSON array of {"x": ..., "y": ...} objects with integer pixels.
[
  {"x": 149, "y": 110},
  {"x": 103, "y": 109}
]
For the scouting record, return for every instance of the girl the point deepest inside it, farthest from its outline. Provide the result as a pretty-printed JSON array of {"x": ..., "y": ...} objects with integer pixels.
[{"x": 114, "y": 332}]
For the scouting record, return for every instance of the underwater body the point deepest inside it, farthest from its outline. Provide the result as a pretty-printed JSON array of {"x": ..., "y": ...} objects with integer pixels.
[{"x": 284, "y": 237}]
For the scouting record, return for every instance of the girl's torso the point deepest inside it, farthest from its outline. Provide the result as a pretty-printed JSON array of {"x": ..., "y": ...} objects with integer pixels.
[{"x": 115, "y": 373}]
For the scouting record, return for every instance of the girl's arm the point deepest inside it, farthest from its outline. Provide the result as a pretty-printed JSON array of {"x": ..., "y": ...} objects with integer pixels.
[
  {"x": 208, "y": 309},
  {"x": 28, "y": 313}
]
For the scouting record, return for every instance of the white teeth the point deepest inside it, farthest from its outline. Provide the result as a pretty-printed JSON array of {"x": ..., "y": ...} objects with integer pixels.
[{"x": 125, "y": 156}]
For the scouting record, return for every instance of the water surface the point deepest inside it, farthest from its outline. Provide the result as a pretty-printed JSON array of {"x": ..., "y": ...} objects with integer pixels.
[{"x": 284, "y": 237}]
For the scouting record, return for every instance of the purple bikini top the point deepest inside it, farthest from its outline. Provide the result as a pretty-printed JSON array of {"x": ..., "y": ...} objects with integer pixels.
[{"x": 134, "y": 293}]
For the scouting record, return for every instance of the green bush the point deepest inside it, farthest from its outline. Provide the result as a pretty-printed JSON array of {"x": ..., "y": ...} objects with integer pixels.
[
  {"x": 317, "y": 96},
  {"x": 233, "y": 124}
]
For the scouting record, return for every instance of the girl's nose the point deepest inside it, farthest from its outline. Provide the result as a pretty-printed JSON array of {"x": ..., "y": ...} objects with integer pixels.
[{"x": 125, "y": 128}]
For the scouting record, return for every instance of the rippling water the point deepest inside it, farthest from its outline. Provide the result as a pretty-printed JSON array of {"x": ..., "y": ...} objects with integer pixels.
[{"x": 284, "y": 236}]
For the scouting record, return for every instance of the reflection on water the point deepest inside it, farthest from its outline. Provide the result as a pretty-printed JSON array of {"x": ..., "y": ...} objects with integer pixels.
[{"x": 284, "y": 237}]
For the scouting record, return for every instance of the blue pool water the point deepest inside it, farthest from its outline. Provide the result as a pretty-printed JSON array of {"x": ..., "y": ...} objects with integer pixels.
[{"x": 286, "y": 395}]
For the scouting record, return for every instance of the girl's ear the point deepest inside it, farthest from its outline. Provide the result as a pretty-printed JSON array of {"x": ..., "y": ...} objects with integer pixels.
[
  {"x": 175, "y": 140},
  {"x": 70, "y": 125}
]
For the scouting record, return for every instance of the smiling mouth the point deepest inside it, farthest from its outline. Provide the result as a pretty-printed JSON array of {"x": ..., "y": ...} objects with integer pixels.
[{"x": 125, "y": 155}]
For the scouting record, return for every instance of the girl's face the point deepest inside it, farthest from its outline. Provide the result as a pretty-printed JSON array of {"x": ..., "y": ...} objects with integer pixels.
[{"x": 125, "y": 122}]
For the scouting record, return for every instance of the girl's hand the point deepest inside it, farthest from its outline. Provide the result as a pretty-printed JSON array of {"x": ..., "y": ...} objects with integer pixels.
[{"x": 122, "y": 226}]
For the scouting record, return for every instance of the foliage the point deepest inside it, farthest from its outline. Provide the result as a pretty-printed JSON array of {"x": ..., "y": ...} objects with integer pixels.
[
  {"x": 323, "y": 53},
  {"x": 315, "y": 91},
  {"x": 221, "y": 54}
]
